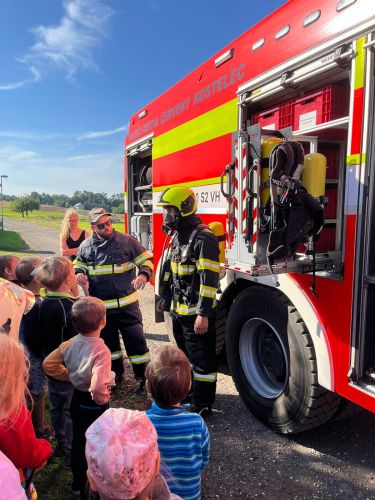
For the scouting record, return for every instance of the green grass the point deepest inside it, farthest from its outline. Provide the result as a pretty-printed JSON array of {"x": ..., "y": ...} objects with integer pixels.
[
  {"x": 12, "y": 242},
  {"x": 50, "y": 216}
]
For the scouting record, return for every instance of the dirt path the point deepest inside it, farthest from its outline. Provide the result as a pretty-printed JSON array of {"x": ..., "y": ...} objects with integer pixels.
[
  {"x": 247, "y": 459},
  {"x": 41, "y": 240}
]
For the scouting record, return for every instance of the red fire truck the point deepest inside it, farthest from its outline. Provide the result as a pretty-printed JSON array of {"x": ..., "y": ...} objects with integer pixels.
[{"x": 300, "y": 333}]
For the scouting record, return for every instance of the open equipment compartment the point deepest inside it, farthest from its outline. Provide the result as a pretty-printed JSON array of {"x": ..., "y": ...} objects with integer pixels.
[{"x": 139, "y": 166}]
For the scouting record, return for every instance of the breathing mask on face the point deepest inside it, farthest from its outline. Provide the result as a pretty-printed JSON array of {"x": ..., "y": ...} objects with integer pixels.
[{"x": 171, "y": 219}]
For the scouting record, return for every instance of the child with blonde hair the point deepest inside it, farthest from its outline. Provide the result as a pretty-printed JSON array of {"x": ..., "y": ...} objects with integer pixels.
[
  {"x": 17, "y": 437},
  {"x": 123, "y": 458}
]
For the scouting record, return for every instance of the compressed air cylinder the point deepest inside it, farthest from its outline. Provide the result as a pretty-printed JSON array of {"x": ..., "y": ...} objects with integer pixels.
[
  {"x": 267, "y": 147},
  {"x": 218, "y": 229},
  {"x": 314, "y": 174}
]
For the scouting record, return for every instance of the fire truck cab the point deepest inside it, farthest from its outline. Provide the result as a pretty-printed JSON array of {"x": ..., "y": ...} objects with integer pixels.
[{"x": 298, "y": 330}]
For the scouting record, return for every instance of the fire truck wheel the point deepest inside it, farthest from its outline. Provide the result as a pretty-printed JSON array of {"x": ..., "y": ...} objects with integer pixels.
[
  {"x": 273, "y": 362},
  {"x": 221, "y": 318}
]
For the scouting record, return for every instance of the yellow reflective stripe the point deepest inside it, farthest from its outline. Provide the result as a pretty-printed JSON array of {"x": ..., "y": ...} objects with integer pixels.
[
  {"x": 166, "y": 276},
  {"x": 208, "y": 377},
  {"x": 216, "y": 122},
  {"x": 184, "y": 309},
  {"x": 356, "y": 159},
  {"x": 142, "y": 257},
  {"x": 200, "y": 182},
  {"x": 182, "y": 269},
  {"x": 109, "y": 269},
  {"x": 149, "y": 264},
  {"x": 359, "y": 71},
  {"x": 78, "y": 264},
  {"x": 211, "y": 265},
  {"x": 116, "y": 355},
  {"x": 137, "y": 360},
  {"x": 123, "y": 301},
  {"x": 207, "y": 291}
]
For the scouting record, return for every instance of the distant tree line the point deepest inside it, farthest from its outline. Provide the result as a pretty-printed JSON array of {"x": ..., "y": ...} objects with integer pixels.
[{"x": 89, "y": 200}]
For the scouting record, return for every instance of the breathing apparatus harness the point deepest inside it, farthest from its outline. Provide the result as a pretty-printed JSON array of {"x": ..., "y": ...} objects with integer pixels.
[
  {"x": 296, "y": 216},
  {"x": 186, "y": 290}
]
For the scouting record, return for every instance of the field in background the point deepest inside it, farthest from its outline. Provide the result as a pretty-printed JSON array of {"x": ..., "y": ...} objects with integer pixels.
[{"x": 51, "y": 216}]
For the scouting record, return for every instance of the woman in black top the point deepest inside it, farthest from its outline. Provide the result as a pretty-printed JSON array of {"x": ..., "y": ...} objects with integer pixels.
[{"x": 71, "y": 235}]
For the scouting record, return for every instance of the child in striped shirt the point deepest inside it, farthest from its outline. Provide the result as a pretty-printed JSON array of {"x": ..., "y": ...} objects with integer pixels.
[{"x": 183, "y": 438}]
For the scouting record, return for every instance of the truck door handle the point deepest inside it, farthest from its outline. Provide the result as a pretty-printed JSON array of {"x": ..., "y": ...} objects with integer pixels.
[{"x": 225, "y": 172}]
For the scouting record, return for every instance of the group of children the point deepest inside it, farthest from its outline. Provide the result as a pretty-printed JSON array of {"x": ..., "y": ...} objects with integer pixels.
[{"x": 124, "y": 454}]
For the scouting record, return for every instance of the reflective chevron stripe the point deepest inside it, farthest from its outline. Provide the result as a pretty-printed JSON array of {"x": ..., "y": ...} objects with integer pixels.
[
  {"x": 183, "y": 309},
  {"x": 207, "y": 291},
  {"x": 116, "y": 355},
  {"x": 138, "y": 360},
  {"x": 78, "y": 264},
  {"x": 182, "y": 269},
  {"x": 208, "y": 377},
  {"x": 109, "y": 269},
  {"x": 142, "y": 258},
  {"x": 121, "y": 302},
  {"x": 210, "y": 265}
]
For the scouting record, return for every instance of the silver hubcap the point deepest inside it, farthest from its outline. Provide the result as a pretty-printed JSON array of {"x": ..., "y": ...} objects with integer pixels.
[{"x": 263, "y": 358}]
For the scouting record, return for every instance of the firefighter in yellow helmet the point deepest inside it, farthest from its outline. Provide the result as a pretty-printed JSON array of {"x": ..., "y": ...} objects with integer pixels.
[{"x": 189, "y": 281}]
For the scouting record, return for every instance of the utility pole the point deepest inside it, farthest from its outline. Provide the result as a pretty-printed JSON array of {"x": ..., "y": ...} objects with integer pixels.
[{"x": 2, "y": 200}]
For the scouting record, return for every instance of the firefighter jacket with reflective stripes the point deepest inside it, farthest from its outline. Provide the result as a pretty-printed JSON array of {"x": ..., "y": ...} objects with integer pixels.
[
  {"x": 111, "y": 267},
  {"x": 190, "y": 276}
]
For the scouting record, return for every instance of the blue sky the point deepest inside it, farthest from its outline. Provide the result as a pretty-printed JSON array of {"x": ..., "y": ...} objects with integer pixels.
[{"x": 72, "y": 72}]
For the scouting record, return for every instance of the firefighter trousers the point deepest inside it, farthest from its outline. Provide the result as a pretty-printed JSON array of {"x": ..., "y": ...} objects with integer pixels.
[
  {"x": 128, "y": 322},
  {"x": 201, "y": 351}
]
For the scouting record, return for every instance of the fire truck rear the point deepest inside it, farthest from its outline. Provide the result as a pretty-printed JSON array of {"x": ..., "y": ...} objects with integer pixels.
[{"x": 298, "y": 316}]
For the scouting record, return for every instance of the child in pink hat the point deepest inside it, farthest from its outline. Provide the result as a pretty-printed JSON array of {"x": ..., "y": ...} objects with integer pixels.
[{"x": 123, "y": 458}]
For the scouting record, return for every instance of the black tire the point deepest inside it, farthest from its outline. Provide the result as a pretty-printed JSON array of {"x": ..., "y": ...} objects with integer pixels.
[
  {"x": 273, "y": 362},
  {"x": 221, "y": 320}
]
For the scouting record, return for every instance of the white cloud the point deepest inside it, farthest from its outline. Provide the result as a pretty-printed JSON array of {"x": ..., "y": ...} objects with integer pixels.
[
  {"x": 103, "y": 133},
  {"x": 22, "y": 155},
  {"x": 30, "y": 136},
  {"x": 54, "y": 173},
  {"x": 69, "y": 45},
  {"x": 21, "y": 83},
  {"x": 11, "y": 155}
]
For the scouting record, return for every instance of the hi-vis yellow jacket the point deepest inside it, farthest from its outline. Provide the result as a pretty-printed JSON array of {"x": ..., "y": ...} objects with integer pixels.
[
  {"x": 111, "y": 267},
  {"x": 190, "y": 276}
]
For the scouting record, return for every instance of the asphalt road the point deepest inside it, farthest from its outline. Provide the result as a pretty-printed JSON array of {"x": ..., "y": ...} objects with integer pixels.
[
  {"x": 248, "y": 460},
  {"x": 41, "y": 240}
]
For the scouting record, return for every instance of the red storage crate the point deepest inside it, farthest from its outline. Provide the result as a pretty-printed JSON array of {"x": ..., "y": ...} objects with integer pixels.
[
  {"x": 327, "y": 241},
  {"x": 276, "y": 118},
  {"x": 286, "y": 114},
  {"x": 324, "y": 105},
  {"x": 330, "y": 210},
  {"x": 269, "y": 119}
]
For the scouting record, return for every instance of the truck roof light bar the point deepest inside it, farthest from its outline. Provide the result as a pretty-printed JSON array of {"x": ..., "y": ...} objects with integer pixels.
[
  {"x": 258, "y": 44},
  {"x": 342, "y": 4},
  {"x": 224, "y": 57},
  {"x": 282, "y": 32},
  {"x": 311, "y": 18},
  {"x": 142, "y": 114}
]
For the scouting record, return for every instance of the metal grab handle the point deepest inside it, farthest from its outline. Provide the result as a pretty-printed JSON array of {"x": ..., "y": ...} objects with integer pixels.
[{"x": 226, "y": 171}]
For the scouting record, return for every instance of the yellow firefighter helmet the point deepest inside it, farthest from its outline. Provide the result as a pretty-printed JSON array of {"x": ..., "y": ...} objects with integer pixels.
[{"x": 181, "y": 197}]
